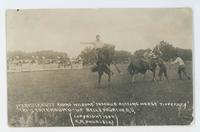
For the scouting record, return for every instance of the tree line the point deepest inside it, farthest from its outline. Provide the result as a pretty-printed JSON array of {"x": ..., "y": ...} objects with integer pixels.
[
  {"x": 119, "y": 56},
  {"x": 45, "y": 54}
]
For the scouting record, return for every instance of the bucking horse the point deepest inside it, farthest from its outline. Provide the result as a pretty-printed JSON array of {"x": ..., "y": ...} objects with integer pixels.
[
  {"x": 105, "y": 59},
  {"x": 141, "y": 66}
]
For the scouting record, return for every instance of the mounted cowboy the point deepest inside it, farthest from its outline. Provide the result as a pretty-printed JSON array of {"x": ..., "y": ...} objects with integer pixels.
[
  {"x": 97, "y": 45},
  {"x": 104, "y": 57}
]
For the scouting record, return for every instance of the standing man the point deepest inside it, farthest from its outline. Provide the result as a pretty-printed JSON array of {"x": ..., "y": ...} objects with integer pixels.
[
  {"x": 97, "y": 45},
  {"x": 181, "y": 67},
  {"x": 149, "y": 57}
]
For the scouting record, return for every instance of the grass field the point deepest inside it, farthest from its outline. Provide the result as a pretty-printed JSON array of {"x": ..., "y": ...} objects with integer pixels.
[{"x": 80, "y": 86}]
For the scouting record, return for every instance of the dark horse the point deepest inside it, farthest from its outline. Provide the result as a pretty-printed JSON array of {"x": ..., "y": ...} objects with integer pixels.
[
  {"x": 105, "y": 59},
  {"x": 141, "y": 66}
]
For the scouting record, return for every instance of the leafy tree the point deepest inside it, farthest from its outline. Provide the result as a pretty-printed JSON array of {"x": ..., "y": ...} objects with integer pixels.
[
  {"x": 122, "y": 56},
  {"x": 88, "y": 56},
  {"x": 169, "y": 51}
]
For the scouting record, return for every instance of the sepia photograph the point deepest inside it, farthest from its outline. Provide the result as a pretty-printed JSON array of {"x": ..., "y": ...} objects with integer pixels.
[{"x": 99, "y": 67}]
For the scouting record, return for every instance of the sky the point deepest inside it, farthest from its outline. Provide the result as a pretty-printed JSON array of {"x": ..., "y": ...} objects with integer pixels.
[{"x": 128, "y": 29}]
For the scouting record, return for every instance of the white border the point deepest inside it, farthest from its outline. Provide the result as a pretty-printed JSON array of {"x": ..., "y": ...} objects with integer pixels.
[{"x": 44, "y": 4}]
